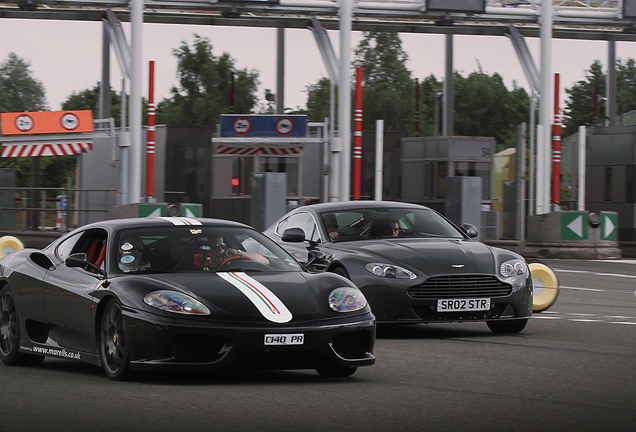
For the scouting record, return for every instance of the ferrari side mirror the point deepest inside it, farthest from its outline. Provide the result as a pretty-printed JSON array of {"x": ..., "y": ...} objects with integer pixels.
[
  {"x": 80, "y": 260},
  {"x": 76, "y": 260}
]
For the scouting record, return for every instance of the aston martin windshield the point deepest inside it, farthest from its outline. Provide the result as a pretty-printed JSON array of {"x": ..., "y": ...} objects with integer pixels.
[
  {"x": 365, "y": 224},
  {"x": 198, "y": 249}
]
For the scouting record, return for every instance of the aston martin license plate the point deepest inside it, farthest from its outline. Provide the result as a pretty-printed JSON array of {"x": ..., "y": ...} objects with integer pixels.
[
  {"x": 284, "y": 339},
  {"x": 462, "y": 305}
]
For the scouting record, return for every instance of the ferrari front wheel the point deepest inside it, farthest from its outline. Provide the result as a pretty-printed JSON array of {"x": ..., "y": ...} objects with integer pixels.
[
  {"x": 10, "y": 333},
  {"x": 113, "y": 346}
]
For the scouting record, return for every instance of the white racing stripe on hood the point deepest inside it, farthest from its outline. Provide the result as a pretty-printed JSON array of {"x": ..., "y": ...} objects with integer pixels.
[
  {"x": 265, "y": 301},
  {"x": 181, "y": 220}
]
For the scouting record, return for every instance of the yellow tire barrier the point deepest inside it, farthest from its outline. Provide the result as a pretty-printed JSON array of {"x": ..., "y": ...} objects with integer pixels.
[
  {"x": 9, "y": 244},
  {"x": 545, "y": 285}
]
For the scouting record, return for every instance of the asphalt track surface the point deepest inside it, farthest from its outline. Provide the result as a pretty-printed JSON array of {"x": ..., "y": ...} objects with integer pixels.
[{"x": 572, "y": 369}]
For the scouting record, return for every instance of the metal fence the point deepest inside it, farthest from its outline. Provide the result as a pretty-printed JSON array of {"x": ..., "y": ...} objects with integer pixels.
[{"x": 50, "y": 209}]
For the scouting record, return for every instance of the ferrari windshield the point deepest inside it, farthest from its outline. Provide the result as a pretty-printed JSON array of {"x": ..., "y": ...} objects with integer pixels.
[
  {"x": 198, "y": 249},
  {"x": 375, "y": 223}
]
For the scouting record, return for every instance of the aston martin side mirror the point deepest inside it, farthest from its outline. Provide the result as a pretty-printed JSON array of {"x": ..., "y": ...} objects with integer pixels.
[
  {"x": 294, "y": 235},
  {"x": 470, "y": 230}
]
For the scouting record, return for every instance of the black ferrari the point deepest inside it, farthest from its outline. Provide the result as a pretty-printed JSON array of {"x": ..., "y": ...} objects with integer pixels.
[
  {"x": 412, "y": 264},
  {"x": 178, "y": 293}
]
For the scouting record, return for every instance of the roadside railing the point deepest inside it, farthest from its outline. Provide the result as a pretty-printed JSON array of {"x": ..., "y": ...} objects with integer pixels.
[{"x": 52, "y": 209}]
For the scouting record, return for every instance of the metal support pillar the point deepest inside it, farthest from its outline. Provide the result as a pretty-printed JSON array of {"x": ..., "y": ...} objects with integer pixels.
[
  {"x": 344, "y": 97},
  {"x": 545, "y": 115},
  {"x": 610, "y": 88},
  {"x": 280, "y": 71},
  {"x": 136, "y": 22},
  {"x": 104, "y": 88},
  {"x": 449, "y": 91}
]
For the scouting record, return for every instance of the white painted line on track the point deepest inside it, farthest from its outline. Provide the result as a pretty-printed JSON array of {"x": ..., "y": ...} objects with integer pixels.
[
  {"x": 581, "y": 289},
  {"x": 595, "y": 273}
]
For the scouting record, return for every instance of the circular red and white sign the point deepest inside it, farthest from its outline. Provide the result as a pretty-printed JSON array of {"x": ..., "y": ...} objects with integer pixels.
[
  {"x": 284, "y": 126},
  {"x": 69, "y": 121},
  {"x": 24, "y": 123},
  {"x": 241, "y": 125}
]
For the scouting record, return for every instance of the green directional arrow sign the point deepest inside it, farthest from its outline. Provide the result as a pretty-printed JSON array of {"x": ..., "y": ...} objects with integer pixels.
[
  {"x": 573, "y": 226},
  {"x": 609, "y": 226},
  {"x": 152, "y": 210},
  {"x": 191, "y": 210}
]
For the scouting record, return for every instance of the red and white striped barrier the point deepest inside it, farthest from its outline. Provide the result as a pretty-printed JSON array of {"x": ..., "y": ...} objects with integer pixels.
[
  {"x": 250, "y": 151},
  {"x": 48, "y": 149}
]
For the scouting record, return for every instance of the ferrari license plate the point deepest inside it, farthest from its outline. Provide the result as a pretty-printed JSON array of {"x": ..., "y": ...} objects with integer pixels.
[
  {"x": 284, "y": 339},
  {"x": 462, "y": 305}
]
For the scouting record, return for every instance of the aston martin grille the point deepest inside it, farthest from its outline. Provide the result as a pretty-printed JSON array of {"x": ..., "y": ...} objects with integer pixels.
[{"x": 461, "y": 286}]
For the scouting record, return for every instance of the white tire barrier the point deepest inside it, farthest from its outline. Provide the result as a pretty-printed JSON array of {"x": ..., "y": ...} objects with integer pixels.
[
  {"x": 545, "y": 285},
  {"x": 9, "y": 244}
]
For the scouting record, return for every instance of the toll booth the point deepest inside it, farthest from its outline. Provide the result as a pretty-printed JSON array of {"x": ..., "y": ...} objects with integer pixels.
[
  {"x": 429, "y": 162},
  {"x": 252, "y": 144}
]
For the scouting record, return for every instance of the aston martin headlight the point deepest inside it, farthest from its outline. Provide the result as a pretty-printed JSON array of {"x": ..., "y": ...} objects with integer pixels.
[
  {"x": 172, "y": 301},
  {"x": 347, "y": 299},
  {"x": 515, "y": 267},
  {"x": 390, "y": 271}
]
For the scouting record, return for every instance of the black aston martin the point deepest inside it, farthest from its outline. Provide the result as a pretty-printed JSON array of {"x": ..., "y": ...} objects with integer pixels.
[
  {"x": 179, "y": 293},
  {"x": 412, "y": 264}
]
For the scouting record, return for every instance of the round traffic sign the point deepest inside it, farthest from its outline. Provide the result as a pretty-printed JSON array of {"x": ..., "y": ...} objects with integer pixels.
[
  {"x": 69, "y": 121},
  {"x": 241, "y": 125},
  {"x": 24, "y": 123},
  {"x": 284, "y": 125}
]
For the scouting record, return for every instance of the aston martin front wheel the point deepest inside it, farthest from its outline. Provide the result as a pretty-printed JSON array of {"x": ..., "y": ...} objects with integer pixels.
[
  {"x": 113, "y": 346},
  {"x": 10, "y": 333},
  {"x": 336, "y": 371},
  {"x": 507, "y": 326}
]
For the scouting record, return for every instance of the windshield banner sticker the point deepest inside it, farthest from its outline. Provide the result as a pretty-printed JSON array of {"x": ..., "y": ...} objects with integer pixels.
[{"x": 265, "y": 301}]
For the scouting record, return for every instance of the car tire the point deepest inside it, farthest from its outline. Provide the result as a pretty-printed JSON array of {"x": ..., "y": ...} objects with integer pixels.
[
  {"x": 543, "y": 278},
  {"x": 113, "y": 346},
  {"x": 336, "y": 371},
  {"x": 507, "y": 326},
  {"x": 10, "y": 333}
]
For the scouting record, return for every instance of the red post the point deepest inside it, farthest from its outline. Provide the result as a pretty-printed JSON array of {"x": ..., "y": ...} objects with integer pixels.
[
  {"x": 556, "y": 146},
  {"x": 357, "y": 136},
  {"x": 417, "y": 107},
  {"x": 150, "y": 145}
]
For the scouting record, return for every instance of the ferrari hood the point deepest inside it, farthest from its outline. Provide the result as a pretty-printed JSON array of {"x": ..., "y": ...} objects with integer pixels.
[
  {"x": 276, "y": 297},
  {"x": 433, "y": 256}
]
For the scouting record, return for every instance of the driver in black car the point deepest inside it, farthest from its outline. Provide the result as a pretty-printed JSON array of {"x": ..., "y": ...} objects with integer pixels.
[{"x": 219, "y": 253}]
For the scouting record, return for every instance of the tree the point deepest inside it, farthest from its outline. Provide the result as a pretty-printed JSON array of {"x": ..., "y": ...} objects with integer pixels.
[
  {"x": 203, "y": 93},
  {"x": 88, "y": 99},
  {"x": 318, "y": 100},
  {"x": 20, "y": 92},
  {"x": 388, "y": 88},
  {"x": 579, "y": 109},
  {"x": 485, "y": 107}
]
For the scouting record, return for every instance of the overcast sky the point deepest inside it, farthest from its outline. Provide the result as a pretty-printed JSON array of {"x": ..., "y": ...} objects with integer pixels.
[{"x": 66, "y": 55}]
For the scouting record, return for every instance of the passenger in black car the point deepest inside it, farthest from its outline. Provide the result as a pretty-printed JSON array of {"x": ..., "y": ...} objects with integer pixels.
[{"x": 384, "y": 227}]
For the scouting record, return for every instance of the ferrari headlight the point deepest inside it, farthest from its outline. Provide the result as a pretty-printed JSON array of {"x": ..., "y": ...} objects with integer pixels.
[
  {"x": 172, "y": 301},
  {"x": 347, "y": 299},
  {"x": 390, "y": 271},
  {"x": 515, "y": 267}
]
